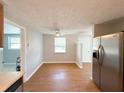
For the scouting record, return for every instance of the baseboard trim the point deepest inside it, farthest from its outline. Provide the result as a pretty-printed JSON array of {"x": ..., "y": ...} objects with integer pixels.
[
  {"x": 27, "y": 78},
  {"x": 79, "y": 65},
  {"x": 86, "y": 62},
  {"x": 60, "y": 62}
]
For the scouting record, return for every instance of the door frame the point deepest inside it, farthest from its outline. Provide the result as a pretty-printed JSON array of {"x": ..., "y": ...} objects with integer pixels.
[{"x": 23, "y": 44}]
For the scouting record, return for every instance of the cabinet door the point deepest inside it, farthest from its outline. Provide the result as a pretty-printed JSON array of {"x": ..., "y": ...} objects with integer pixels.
[
  {"x": 17, "y": 86},
  {"x": 1, "y": 25},
  {"x": 19, "y": 89}
]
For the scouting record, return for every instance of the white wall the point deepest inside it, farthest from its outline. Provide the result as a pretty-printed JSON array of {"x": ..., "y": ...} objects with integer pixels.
[
  {"x": 51, "y": 56},
  {"x": 34, "y": 52}
]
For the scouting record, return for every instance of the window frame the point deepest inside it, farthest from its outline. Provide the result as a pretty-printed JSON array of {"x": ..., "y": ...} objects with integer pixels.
[
  {"x": 65, "y": 46},
  {"x": 10, "y": 43}
]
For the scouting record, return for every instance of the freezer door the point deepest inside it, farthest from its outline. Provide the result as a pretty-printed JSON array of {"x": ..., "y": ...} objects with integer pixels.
[
  {"x": 110, "y": 70},
  {"x": 96, "y": 65},
  {"x": 96, "y": 43}
]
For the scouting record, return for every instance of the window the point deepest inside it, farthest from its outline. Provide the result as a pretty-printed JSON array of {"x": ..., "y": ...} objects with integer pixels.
[
  {"x": 60, "y": 45},
  {"x": 13, "y": 42}
]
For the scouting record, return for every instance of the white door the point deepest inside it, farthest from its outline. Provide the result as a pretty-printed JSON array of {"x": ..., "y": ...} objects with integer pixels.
[{"x": 87, "y": 49}]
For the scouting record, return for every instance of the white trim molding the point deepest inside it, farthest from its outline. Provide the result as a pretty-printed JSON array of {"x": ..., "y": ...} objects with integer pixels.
[
  {"x": 59, "y": 62},
  {"x": 27, "y": 78},
  {"x": 80, "y": 65}
]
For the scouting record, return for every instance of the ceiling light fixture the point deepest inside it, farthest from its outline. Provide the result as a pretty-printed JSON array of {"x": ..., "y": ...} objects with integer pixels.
[{"x": 58, "y": 33}]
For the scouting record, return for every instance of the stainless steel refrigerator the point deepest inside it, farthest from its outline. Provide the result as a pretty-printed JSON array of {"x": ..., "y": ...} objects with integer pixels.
[{"x": 108, "y": 62}]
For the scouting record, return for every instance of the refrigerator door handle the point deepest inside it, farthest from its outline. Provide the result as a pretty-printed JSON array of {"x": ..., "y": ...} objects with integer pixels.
[
  {"x": 98, "y": 54},
  {"x": 102, "y": 54}
]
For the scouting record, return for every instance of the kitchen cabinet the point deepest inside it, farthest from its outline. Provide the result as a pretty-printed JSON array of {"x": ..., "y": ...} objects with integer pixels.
[
  {"x": 17, "y": 86},
  {"x": 1, "y": 25}
]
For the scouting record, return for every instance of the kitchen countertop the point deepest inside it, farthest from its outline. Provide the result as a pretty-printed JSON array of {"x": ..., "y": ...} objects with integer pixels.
[{"x": 8, "y": 78}]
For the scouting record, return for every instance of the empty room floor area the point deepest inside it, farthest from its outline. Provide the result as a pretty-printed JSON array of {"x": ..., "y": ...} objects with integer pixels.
[{"x": 61, "y": 78}]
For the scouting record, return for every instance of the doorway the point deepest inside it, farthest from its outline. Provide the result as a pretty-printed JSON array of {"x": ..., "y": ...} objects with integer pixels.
[{"x": 13, "y": 52}]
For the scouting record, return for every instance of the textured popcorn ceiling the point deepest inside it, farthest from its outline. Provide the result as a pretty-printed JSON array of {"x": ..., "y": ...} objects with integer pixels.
[{"x": 69, "y": 16}]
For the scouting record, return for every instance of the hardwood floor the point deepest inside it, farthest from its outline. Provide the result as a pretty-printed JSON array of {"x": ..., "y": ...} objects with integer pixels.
[{"x": 61, "y": 78}]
